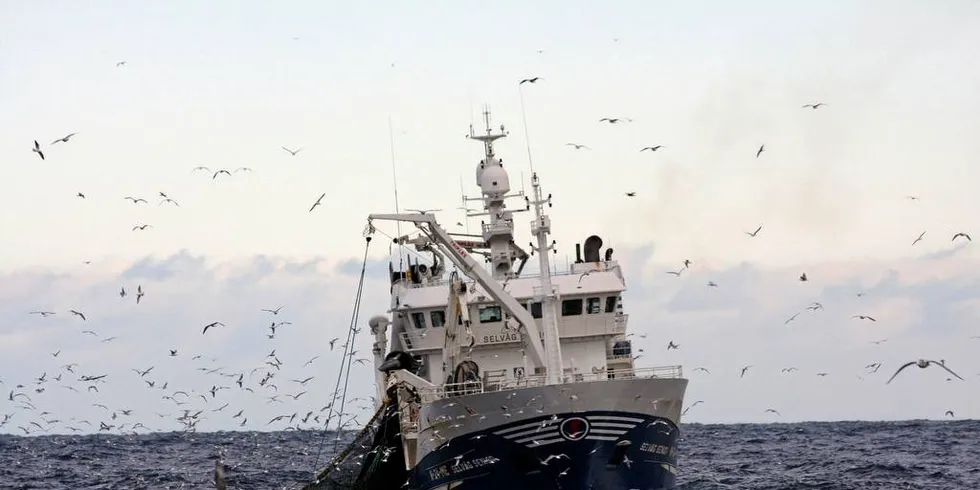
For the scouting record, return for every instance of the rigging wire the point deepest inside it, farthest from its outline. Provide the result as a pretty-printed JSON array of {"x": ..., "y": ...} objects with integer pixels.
[
  {"x": 527, "y": 139},
  {"x": 351, "y": 332},
  {"x": 394, "y": 180}
]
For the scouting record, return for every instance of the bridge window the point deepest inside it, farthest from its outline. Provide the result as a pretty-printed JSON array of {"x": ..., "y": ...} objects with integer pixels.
[
  {"x": 592, "y": 306},
  {"x": 438, "y": 318},
  {"x": 490, "y": 314},
  {"x": 571, "y": 307},
  {"x": 418, "y": 319},
  {"x": 611, "y": 304},
  {"x": 534, "y": 308}
]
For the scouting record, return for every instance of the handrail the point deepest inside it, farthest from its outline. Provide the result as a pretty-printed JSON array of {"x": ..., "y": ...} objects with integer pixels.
[{"x": 477, "y": 387}]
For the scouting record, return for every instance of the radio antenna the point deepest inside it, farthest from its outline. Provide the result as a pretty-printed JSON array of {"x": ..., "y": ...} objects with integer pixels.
[
  {"x": 394, "y": 182},
  {"x": 527, "y": 140}
]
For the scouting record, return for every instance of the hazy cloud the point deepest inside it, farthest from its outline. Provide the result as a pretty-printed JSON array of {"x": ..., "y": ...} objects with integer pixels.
[{"x": 922, "y": 313}]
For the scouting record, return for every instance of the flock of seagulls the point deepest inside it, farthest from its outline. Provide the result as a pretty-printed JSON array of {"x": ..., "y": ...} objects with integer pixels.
[
  {"x": 189, "y": 405},
  {"x": 186, "y": 405},
  {"x": 671, "y": 345},
  {"x": 29, "y": 408}
]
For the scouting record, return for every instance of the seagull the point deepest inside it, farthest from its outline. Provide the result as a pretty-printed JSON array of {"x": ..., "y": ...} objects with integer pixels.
[
  {"x": 142, "y": 227},
  {"x": 213, "y": 324},
  {"x": 922, "y": 364},
  {"x": 136, "y": 200},
  {"x": 703, "y": 370},
  {"x": 614, "y": 120},
  {"x": 917, "y": 240},
  {"x": 754, "y": 233},
  {"x": 676, "y": 273},
  {"x": 864, "y": 317},
  {"x": 964, "y": 235},
  {"x": 219, "y": 172},
  {"x": 317, "y": 203},
  {"x": 651, "y": 148},
  {"x": 37, "y": 149},
  {"x": 803, "y": 277},
  {"x": 578, "y": 146},
  {"x": 292, "y": 152},
  {"x": 121, "y": 63},
  {"x": 529, "y": 80},
  {"x": 772, "y": 410},
  {"x": 78, "y": 314},
  {"x": 712, "y": 284},
  {"x": 812, "y": 106},
  {"x": 582, "y": 275},
  {"x": 63, "y": 139},
  {"x": 746, "y": 368},
  {"x": 762, "y": 148},
  {"x": 631, "y": 194},
  {"x": 274, "y": 312}
]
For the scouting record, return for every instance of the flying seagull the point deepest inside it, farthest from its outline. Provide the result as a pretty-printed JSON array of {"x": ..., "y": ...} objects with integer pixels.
[
  {"x": 292, "y": 152},
  {"x": 213, "y": 324},
  {"x": 615, "y": 120},
  {"x": 812, "y": 106},
  {"x": 864, "y": 317},
  {"x": 317, "y": 203},
  {"x": 964, "y": 235},
  {"x": 922, "y": 364},
  {"x": 529, "y": 80},
  {"x": 651, "y": 148},
  {"x": 754, "y": 233},
  {"x": 63, "y": 139},
  {"x": 762, "y": 148},
  {"x": 917, "y": 240},
  {"x": 37, "y": 149},
  {"x": 578, "y": 146}
]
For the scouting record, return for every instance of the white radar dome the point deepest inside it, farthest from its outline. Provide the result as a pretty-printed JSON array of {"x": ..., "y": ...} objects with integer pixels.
[{"x": 492, "y": 178}]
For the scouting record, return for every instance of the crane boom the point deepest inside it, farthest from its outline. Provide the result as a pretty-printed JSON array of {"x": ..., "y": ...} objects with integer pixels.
[{"x": 475, "y": 271}]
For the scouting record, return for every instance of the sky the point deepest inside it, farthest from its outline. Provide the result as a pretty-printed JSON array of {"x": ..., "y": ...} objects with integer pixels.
[{"x": 374, "y": 87}]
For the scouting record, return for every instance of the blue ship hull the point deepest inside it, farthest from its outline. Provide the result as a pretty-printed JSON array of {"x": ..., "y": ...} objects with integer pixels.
[{"x": 596, "y": 450}]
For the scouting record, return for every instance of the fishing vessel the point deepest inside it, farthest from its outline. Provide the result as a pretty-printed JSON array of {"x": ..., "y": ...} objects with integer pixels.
[{"x": 489, "y": 376}]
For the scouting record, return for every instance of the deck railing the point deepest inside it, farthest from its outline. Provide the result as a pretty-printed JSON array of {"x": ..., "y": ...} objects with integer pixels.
[{"x": 477, "y": 387}]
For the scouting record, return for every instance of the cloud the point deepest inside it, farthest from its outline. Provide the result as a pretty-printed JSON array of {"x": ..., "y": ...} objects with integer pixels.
[
  {"x": 183, "y": 292},
  {"x": 924, "y": 307}
]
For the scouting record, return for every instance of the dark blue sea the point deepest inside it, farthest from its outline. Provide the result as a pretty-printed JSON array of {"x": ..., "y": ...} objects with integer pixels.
[{"x": 829, "y": 456}]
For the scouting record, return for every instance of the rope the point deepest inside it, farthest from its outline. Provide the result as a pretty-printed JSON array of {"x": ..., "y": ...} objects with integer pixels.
[
  {"x": 340, "y": 457},
  {"x": 351, "y": 332}
]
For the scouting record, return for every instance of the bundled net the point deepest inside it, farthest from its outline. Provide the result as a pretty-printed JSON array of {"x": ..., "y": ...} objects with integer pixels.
[{"x": 373, "y": 460}]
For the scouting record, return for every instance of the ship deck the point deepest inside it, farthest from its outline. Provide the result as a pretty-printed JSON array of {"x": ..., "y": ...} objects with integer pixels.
[{"x": 450, "y": 390}]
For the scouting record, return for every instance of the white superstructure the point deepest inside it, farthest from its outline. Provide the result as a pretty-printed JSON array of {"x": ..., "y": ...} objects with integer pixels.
[{"x": 485, "y": 325}]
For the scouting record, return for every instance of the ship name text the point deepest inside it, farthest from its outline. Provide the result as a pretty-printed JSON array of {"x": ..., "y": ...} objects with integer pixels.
[
  {"x": 496, "y": 339},
  {"x": 664, "y": 450},
  {"x": 453, "y": 469}
]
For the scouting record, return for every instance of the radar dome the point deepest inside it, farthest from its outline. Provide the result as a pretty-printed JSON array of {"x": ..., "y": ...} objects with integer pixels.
[{"x": 492, "y": 178}]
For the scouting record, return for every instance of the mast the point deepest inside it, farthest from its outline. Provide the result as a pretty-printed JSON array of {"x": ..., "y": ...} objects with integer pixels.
[
  {"x": 499, "y": 234},
  {"x": 540, "y": 228},
  {"x": 495, "y": 184}
]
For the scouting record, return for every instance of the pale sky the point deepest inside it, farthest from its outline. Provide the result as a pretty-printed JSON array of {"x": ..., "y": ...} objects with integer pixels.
[{"x": 227, "y": 84}]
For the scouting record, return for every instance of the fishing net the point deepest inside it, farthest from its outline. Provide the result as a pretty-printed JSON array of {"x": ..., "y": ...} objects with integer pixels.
[{"x": 373, "y": 460}]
